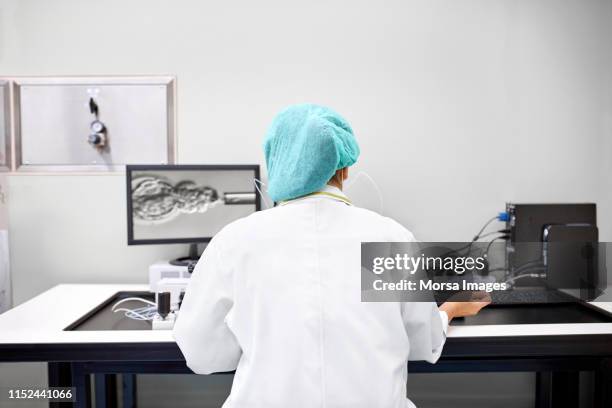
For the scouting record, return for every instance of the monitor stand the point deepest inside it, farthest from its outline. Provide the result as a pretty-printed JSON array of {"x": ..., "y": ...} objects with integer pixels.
[{"x": 189, "y": 259}]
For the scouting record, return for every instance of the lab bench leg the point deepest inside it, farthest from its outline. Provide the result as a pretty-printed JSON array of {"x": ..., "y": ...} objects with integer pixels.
[
  {"x": 106, "y": 390},
  {"x": 82, "y": 383},
  {"x": 603, "y": 384},
  {"x": 543, "y": 390},
  {"x": 59, "y": 375},
  {"x": 129, "y": 390},
  {"x": 558, "y": 389}
]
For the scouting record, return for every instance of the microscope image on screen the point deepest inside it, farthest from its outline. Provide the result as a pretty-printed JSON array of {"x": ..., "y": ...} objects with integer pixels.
[
  {"x": 156, "y": 200},
  {"x": 181, "y": 204}
]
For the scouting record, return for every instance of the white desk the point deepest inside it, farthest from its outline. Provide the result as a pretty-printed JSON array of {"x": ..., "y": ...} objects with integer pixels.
[
  {"x": 34, "y": 331},
  {"x": 43, "y": 318}
]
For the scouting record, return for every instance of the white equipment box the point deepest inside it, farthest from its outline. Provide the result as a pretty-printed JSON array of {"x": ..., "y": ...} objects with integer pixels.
[{"x": 165, "y": 277}]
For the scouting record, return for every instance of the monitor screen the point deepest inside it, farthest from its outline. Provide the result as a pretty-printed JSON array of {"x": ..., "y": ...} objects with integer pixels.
[{"x": 187, "y": 203}]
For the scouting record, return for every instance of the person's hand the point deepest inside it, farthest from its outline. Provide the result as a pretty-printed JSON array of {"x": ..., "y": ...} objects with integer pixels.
[{"x": 466, "y": 308}]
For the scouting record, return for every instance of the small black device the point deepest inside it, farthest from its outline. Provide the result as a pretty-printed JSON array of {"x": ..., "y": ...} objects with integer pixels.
[
  {"x": 163, "y": 304},
  {"x": 573, "y": 260}
]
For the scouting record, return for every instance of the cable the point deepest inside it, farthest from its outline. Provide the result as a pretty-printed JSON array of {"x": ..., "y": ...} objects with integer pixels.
[
  {"x": 135, "y": 299},
  {"x": 500, "y": 217},
  {"x": 145, "y": 313},
  {"x": 139, "y": 313},
  {"x": 505, "y": 237},
  {"x": 526, "y": 275},
  {"x": 477, "y": 237},
  {"x": 503, "y": 231},
  {"x": 353, "y": 180},
  {"x": 482, "y": 236},
  {"x": 534, "y": 261},
  {"x": 261, "y": 194},
  {"x": 522, "y": 268},
  {"x": 527, "y": 266},
  {"x": 132, "y": 314}
]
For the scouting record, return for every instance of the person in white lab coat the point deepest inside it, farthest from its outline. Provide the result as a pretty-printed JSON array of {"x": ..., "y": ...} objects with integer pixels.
[{"x": 276, "y": 296}]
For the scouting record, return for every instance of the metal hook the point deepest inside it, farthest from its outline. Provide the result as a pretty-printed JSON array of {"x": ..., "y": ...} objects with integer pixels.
[{"x": 93, "y": 107}]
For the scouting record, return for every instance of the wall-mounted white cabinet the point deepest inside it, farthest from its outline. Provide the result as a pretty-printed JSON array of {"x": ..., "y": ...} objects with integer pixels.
[{"x": 92, "y": 123}]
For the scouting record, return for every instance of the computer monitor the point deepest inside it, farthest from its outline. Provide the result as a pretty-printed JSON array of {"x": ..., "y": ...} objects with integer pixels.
[{"x": 170, "y": 204}]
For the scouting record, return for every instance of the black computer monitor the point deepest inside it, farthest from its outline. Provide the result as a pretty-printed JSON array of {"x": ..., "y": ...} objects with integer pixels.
[{"x": 170, "y": 204}]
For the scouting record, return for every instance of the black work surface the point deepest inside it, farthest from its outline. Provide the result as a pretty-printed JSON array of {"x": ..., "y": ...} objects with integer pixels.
[
  {"x": 102, "y": 318},
  {"x": 544, "y": 313}
]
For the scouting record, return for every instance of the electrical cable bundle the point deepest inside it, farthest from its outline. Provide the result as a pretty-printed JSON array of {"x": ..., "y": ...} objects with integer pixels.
[
  {"x": 526, "y": 270},
  {"x": 140, "y": 313},
  {"x": 500, "y": 217}
]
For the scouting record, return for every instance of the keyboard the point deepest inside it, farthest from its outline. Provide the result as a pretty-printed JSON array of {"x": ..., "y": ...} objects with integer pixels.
[
  {"x": 529, "y": 296},
  {"x": 518, "y": 296}
]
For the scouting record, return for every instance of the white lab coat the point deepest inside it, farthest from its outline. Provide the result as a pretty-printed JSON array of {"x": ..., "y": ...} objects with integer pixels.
[{"x": 276, "y": 297}]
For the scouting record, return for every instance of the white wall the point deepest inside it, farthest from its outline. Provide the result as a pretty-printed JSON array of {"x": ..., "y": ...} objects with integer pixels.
[
  {"x": 459, "y": 106},
  {"x": 5, "y": 281}
]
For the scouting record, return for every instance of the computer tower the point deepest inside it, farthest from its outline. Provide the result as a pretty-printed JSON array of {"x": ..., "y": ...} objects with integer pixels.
[{"x": 527, "y": 224}]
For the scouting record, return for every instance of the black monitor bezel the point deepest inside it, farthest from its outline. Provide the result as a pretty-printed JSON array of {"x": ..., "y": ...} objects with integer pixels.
[{"x": 129, "y": 169}]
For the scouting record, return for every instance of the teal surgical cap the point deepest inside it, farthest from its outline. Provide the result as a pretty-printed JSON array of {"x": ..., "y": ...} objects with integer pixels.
[{"x": 304, "y": 147}]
